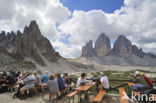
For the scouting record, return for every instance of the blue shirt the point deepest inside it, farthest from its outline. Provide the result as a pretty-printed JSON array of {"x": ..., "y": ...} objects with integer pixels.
[
  {"x": 61, "y": 83},
  {"x": 45, "y": 78}
]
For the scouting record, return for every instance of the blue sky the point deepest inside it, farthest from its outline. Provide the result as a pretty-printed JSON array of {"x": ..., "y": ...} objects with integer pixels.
[{"x": 108, "y": 6}]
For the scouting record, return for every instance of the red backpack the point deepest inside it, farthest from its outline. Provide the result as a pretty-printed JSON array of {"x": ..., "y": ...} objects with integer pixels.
[{"x": 148, "y": 80}]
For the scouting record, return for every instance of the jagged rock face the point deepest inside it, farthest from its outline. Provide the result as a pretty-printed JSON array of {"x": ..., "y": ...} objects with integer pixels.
[
  {"x": 30, "y": 44},
  {"x": 137, "y": 52},
  {"x": 102, "y": 46},
  {"x": 122, "y": 47},
  {"x": 151, "y": 55},
  {"x": 87, "y": 50}
]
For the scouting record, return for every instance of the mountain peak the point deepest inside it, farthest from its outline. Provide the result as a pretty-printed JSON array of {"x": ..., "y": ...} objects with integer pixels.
[
  {"x": 33, "y": 32},
  {"x": 33, "y": 23}
]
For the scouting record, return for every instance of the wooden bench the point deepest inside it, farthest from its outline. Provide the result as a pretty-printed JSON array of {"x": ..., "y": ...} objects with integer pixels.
[
  {"x": 123, "y": 95},
  {"x": 100, "y": 96},
  {"x": 71, "y": 95}
]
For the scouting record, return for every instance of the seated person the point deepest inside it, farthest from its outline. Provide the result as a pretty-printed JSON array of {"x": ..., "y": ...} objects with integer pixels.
[
  {"x": 11, "y": 79},
  {"x": 52, "y": 84},
  {"x": 147, "y": 79},
  {"x": 37, "y": 79},
  {"x": 81, "y": 80},
  {"x": 18, "y": 74},
  {"x": 104, "y": 82},
  {"x": 140, "y": 81},
  {"x": 45, "y": 78},
  {"x": 28, "y": 84},
  {"x": 3, "y": 77},
  {"x": 61, "y": 83},
  {"x": 67, "y": 80}
]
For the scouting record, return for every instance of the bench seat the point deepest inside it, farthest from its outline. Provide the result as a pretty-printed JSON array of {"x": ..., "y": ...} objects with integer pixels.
[{"x": 100, "y": 96}]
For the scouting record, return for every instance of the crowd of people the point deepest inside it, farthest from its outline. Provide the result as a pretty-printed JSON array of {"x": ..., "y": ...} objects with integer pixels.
[
  {"x": 25, "y": 81},
  {"x": 55, "y": 83}
]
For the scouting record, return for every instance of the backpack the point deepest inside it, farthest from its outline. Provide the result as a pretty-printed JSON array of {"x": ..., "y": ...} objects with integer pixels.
[{"x": 148, "y": 80}]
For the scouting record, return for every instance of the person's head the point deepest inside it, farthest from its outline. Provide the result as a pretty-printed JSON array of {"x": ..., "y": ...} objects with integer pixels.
[
  {"x": 65, "y": 75},
  {"x": 142, "y": 73},
  {"x": 4, "y": 72},
  {"x": 51, "y": 77},
  {"x": 35, "y": 73},
  {"x": 137, "y": 73},
  {"x": 101, "y": 74},
  {"x": 83, "y": 75},
  {"x": 19, "y": 72},
  {"x": 58, "y": 75},
  {"x": 46, "y": 72}
]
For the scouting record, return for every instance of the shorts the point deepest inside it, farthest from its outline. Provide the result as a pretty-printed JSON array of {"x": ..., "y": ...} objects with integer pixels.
[{"x": 24, "y": 88}]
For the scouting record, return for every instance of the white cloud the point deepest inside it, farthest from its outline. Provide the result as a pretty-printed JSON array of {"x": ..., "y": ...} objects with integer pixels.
[
  {"x": 15, "y": 14},
  {"x": 136, "y": 19}
]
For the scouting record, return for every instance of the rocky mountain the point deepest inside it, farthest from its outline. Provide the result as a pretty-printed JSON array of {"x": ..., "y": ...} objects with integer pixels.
[
  {"x": 87, "y": 50},
  {"x": 29, "y": 44},
  {"x": 102, "y": 45},
  {"x": 122, "y": 47},
  {"x": 123, "y": 52}
]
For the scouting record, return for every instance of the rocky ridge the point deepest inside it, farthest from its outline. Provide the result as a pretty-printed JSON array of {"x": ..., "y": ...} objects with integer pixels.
[
  {"x": 29, "y": 44},
  {"x": 122, "y": 48}
]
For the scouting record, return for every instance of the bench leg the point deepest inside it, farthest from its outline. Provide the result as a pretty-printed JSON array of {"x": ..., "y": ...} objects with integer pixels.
[
  {"x": 69, "y": 100},
  {"x": 73, "y": 99}
]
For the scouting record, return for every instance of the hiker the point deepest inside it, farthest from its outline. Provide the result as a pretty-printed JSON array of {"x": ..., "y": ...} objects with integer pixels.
[
  {"x": 67, "y": 80},
  {"x": 61, "y": 85},
  {"x": 45, "y": 78},
  {"x": 20, "y": 84},
  {"x": 4, "y": 75},
  {"x": 37, "y": 79},
  {"x": 82, "y": 81},
  {"x": 52, "y": 84},
  {"x": 104, "y": 82},
  {"x": 140, "y": 81},
  {"x": 10, "y": 80},
  {"x": 18, "y": 74},
  {"x": 28, "y": 84},
  {"x": 147, "y": 79}
]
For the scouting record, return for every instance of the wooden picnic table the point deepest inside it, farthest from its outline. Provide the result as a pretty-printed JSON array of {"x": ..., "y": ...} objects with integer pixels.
[{"x": 84, "y": 88}]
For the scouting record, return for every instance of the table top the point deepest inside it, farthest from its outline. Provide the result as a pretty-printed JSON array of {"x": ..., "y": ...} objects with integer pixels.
[
  {"x": 84, "y": 87},
  {"x": 42, "y": 85}
]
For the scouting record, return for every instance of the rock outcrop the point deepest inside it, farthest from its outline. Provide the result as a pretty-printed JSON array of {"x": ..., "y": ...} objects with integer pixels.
[
  {"x": 122, "y": 47},
  {"x": 102, "y": 46},
  {"x": 137, "y": 52},
  {"x": 29, "y": 44},
  {"x": 88, "y": 50}
]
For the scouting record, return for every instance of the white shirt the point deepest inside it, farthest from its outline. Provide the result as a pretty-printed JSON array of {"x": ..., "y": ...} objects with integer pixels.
[
  {"x": 105, "y": 82},
  {"x": 79, "y": 81}
]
